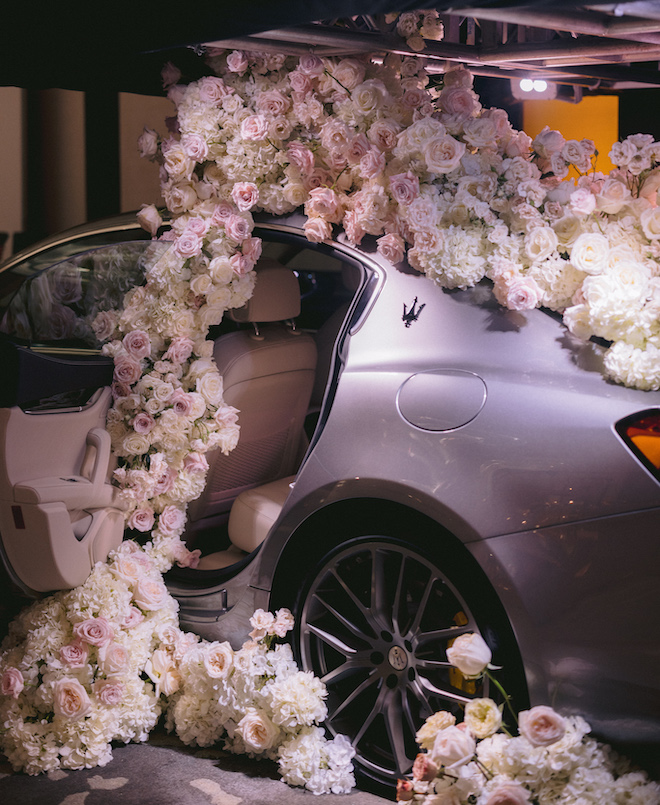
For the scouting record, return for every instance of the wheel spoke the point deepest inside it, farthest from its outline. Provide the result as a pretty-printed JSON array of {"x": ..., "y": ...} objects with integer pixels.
[
  {"x": 397, "y": 597},
  {"x": 379, "y": 585},
  {"x": 421, "y": 608},
  {"x": 343, "y": 620},
  {"x": 444, "y": 693},
  {"x": 450, "y": 633},
  {"x": 394, "y": 729},
  {"x": 351, "y": 665},
  {"x": 331, "y": 640},
  {"x": 372, "y": 679},
  {"x": 366, "y": 612}
]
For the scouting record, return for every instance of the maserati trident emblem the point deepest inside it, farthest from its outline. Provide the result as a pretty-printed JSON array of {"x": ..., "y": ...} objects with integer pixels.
[
  {"x": 397, "y": 658},
  {"x": 409, "y": 316}
]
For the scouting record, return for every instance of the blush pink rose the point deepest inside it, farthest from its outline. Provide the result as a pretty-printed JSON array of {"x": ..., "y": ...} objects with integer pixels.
[
  {"x": 127, "y": 369},
  {"x": 254, "y": 128},
  {"x": 221, "y": 213},
  {"x": 317, "y": 230},
  {"x": 70, "y": 699},
  {"x": 300, "y": 156},
  {"x": 134, "y": 617},
  {"x": 391, "y": 247},
  {"x": 188, "y": 244},
  {"x": 240, "y": 264},
  {"x": 165, "y": 482},
  {"x": 245, "y": 195},
  {"x": 300, "y": 82},
  {"x": 113, "y": 658},
  {"x": 12, "y": 683},
  {"x": 237, "y": 62},
  {"x": 311, "y": 65},
  {"x": 237, "y": 228},
  {"x": 372, "y": 163},
  {"x": 143, "y": 423},
  {"x": 251, "y": 248},
  {"x": 213, "y": 89},
  {"x": 150, "y": 594},
  {"x": 142, "y": 519},
  {"x": 179, "y": 350},
  {"x": 94, "y": 631},
  {"x": 109, "y": 692},
  {"x": 424, "y": 768},
  {"x": 182, "y": 402},
  {"x": 150, "y": 219},
  {"x": 541, "y": 725},
  {"x": 404, "y": 790},
  {"x": 195, "y": 462},
  {"x": 171, "y": 520},
  {"x": 404, "y": 187},
  {"x": 324, "y": 203},
  {"x": 74, "y": 655}
]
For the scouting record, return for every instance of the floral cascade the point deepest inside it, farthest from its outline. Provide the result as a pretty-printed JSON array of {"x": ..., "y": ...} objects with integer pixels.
[
  {"x": 551, "y": 762},
  {"x": 103, "y": 662}
]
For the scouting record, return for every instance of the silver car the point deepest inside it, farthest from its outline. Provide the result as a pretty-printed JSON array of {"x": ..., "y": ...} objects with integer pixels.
[{"x": 414, "y": 464}]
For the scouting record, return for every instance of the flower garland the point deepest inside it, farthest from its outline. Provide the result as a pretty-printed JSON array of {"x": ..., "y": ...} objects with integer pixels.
[
  {"x": 551, "y": 762},
  {"x": 103, "y": 662}
]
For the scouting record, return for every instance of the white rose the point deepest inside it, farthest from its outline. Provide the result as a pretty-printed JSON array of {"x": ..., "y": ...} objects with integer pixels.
[
  {"x": 612, "y": 196},
  {"x": 453, "y": 747},
  {"x": 540, "y": 243},
  {"x": 590, "y": 253},
  {"x": 470, "y": 654},
  {"x": 426, "y": 735},
  {"x": 567, "y": 228},
  {"x": 443, "y": 154},
  {"x": 650, "y": 221},
  {"x": 257, "y": 730}
]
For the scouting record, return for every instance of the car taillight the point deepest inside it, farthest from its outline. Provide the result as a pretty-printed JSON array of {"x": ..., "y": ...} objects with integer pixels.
[{"x": 641, "y": 433}]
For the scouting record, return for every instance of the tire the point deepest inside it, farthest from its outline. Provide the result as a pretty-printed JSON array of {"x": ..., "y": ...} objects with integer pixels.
[{"x": 373, "y": 622}]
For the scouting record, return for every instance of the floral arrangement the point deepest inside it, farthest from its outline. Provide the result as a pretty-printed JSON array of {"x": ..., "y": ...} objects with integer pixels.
[
  {"x": 551, "y": 761},
  {"x": 103, "y": 662}
]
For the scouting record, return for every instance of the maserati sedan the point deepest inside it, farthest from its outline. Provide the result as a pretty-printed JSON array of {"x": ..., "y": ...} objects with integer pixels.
[{"x": 414, "y": 463}]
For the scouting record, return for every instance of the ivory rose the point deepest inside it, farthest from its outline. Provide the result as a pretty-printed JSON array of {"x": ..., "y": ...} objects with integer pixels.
[
  {"x": 542, "y": 726},
  {"x": 70, "y": 699},
  {"x": 426, "y": 735},
  {"x": 150, "y": 594},
  {"x": 590, "y": 253},
  {"x": 218, "y": 660},
  {"x": 453, "y": 747},
  {"x": 470, "y": 654},
  {"x": 482, "y": 717},
  {"x": 257, "y": 730}
]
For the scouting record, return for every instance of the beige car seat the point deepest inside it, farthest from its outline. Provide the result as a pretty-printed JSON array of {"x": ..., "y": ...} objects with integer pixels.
[{"x": 268, "y": 373}]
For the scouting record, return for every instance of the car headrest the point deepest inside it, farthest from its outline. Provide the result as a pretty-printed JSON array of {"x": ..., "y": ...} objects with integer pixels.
[{"x": 276, "y": 295}]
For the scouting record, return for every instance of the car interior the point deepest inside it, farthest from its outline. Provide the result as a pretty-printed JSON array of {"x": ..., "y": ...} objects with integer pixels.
[{"x": 58, "y": 513}]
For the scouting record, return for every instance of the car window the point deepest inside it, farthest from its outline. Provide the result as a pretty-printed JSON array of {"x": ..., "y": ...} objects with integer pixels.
[{"x": 57, "y": 304}]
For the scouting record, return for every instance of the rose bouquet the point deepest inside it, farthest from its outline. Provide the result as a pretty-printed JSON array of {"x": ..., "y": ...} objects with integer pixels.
[
  {"x": 102, "y": 662},
  {"x": 479, "y": 762},
  {"x": 260, "y": 704}
]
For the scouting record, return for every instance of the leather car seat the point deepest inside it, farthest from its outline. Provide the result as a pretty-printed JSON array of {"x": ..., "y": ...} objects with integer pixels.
[{"x": 268, "y": 373}]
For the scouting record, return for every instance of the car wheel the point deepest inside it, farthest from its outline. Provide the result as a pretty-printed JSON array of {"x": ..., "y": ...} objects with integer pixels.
[{"x": 374, "y": 621}]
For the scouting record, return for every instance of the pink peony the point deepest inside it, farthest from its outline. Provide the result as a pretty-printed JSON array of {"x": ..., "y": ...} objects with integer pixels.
[{"x": 424, "y": 768}]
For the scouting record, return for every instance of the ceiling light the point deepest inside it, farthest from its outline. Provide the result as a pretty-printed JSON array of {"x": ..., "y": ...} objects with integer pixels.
[{"x": 527, "y": 89}]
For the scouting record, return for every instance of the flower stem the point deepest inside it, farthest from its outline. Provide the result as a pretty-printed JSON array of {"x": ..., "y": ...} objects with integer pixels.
[{"x": 507, "y": 698}]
